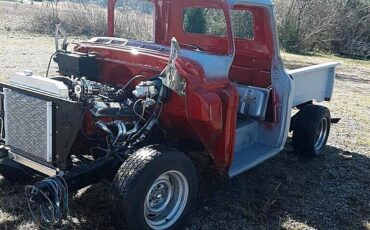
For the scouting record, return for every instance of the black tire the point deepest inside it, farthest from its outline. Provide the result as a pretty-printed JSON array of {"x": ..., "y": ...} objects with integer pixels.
[
  {"x": 134, "y": 184},
  {"x": 12, "y": 171},
  {"x": 311, "y": 130}
]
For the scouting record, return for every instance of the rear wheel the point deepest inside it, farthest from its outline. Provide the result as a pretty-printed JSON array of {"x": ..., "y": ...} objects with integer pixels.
[
  {"x": 311, "y": 130},
  {"x": 154, "y": 189}
]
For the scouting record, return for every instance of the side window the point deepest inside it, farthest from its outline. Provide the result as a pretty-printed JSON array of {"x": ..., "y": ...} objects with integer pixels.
[
  {"x": 243, "y": 24},
  {"x": 208, "y": 21}
]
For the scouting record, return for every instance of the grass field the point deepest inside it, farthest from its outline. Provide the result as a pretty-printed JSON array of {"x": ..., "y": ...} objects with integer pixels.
[{"x": 286, "y": 192}]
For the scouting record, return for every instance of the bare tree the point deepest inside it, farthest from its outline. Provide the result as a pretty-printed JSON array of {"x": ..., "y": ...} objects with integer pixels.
[{"x": 307, "y": 25}]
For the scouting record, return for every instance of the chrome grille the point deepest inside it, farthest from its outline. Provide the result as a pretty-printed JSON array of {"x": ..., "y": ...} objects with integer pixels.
[{"x": 28, "y": 124}]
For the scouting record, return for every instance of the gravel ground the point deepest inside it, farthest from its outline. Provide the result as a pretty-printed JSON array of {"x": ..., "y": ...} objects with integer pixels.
[{"x": 286, "y": 192}]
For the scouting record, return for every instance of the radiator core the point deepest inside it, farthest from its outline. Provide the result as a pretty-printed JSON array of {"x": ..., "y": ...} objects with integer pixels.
[{"x": 28, "y": 125}]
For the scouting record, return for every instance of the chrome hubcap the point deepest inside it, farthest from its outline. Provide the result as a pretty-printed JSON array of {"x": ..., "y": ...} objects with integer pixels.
[
  {"x": 166, "y": 200},
  {"x": 321, "y": 134}
]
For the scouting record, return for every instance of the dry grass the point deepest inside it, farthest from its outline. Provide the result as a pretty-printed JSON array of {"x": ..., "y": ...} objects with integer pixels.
[
  {"x": 77, "y": 19},
  {"x": 286, "y": 192},
  {"x": 91, "y": 20}
]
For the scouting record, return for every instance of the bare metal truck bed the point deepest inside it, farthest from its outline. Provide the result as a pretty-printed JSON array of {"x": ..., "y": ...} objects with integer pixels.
[{"x": 313, "y": 83}]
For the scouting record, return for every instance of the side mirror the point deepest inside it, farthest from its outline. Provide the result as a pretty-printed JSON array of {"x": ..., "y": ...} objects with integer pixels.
[
  {"x": 174, "y": 52},
  {"x": 169, "y": 76}
]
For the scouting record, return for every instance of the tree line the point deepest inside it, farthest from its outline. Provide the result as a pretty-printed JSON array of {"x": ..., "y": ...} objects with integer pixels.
[{"x": 325, "y": 25}]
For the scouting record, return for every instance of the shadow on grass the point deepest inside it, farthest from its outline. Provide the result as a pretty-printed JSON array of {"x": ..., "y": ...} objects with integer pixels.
[
  {"x": 288, "y": 191},
  {"x": 13, "y": 206},
  {"x": 8, "y": 224},
  {"x": 344, "y": 77}
]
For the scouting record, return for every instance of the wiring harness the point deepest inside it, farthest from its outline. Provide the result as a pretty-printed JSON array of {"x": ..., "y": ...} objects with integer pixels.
[{"x": 48, "y": 202}]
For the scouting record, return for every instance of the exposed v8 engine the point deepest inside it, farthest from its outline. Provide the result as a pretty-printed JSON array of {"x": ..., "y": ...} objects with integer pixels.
[{"x": 123, "y": 116}]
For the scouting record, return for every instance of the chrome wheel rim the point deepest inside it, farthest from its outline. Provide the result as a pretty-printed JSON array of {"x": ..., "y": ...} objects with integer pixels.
[
  {"x": 166, "y": 200},
  {"x": 321, "y": 134}
]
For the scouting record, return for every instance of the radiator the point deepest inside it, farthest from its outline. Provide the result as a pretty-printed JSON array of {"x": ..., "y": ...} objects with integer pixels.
[{"x": 28, "y": 125}]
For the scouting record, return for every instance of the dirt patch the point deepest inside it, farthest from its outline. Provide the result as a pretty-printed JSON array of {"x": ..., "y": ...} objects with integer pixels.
[{"x": 286, "y": 192}]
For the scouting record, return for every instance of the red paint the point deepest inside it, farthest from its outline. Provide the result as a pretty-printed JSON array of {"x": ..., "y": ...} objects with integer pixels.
[{"x": 208, "y": 111}]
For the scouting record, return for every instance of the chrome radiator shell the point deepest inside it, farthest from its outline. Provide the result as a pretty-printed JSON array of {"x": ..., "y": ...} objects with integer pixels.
[{"x": 28, "y": 125}]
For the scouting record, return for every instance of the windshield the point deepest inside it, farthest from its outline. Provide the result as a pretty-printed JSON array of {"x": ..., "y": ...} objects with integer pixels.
[{"x": 135, "y": 20}]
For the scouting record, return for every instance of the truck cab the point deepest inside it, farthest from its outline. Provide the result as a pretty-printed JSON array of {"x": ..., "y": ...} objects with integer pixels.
[
  {"x": 213, "y": 75},
  {"x": 239, "y": 96}
]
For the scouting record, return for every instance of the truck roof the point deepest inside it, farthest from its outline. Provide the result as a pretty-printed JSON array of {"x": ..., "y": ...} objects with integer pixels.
[{"x": 259, "y": 2}]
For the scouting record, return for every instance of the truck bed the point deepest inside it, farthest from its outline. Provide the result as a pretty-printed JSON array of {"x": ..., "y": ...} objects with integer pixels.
[{"x": 313, "y": 83}]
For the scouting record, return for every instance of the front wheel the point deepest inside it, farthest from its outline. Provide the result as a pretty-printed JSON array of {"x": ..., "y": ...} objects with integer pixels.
[{"x": 154, "y": 189}]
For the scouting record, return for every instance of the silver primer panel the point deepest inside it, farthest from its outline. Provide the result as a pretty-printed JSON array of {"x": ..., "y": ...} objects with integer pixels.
[
  {"x": 32, "y": 164},
  {"x": 313, "y": 83},
  {"x": 28, "y": 125}
]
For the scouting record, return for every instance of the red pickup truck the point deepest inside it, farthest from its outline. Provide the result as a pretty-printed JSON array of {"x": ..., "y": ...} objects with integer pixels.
[{"x": 119, "y": 110}]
